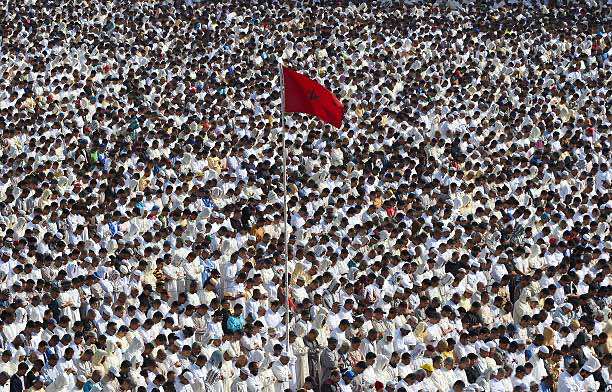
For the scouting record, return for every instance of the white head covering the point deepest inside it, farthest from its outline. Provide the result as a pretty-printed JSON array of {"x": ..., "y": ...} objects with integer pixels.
[{"x": 591, "y": 365}]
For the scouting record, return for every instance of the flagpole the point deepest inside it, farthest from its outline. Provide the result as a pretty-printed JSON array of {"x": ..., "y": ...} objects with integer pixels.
[{"x": 286, "y": 234}]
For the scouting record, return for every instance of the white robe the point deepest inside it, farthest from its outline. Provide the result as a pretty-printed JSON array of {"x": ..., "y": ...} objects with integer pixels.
[
  {"x": 71, "y": 300},
  {"x": 301, "y": 353},
  {"x": 283, "y": 376},
  {"x": 239, "y": 386},
  {"x": 539, "y": 371},
  {"x": 567, "y": 383}
]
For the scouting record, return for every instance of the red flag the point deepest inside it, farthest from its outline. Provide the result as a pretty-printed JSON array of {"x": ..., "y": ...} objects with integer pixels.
[{"x": 304, "y": 95}]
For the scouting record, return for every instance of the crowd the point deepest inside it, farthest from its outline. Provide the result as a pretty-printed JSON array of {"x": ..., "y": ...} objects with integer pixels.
[{"x": 452, "y": 235}]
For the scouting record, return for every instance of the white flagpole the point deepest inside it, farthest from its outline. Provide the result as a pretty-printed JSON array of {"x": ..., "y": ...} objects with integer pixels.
[{"x": 286, "y": 234}]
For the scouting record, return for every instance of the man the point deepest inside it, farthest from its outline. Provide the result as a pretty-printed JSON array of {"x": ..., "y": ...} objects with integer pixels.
[
  {"x": 18, "y": 380},
  {"x": 83, "y": 365},
  {"x": 499, "y": 382},
  {"x": 240, "y": 384},
  {"x": 5, "y": 385},
  {"x": 254, "y": 383},
  {"x": 300, "y": 352},
  {"x": 331, "y": 384},
  {"x": 438, "y": 375},
  {"x": 358, "y": 383},
  {"x": 314, "y": 353},
  {"x": 458, "y": 386},
  {"x": 518, "y": 378},
  {"x": 329, "y": 359},
  {"x": 538, "y": 359},
  {"x": 235, "y": 322},
  {"x": 472, "y": 371},
  {"x": 94, "y": 384},
  {"x": 369, "y": 344},
  {"x": 345, "y": 383},
  {"x": 280, "y": 369},
  {"x": 7, "y": 364},
  {"x": 584, "y": 379}
]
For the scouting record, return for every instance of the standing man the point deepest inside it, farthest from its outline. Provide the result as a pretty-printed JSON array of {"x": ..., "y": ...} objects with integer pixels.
[
  {"x": 328, "y": 359},
  {"x": 281, "y": 372},
  {"x": 241, "y": 384},
  {"x": 314, "y": 351}
]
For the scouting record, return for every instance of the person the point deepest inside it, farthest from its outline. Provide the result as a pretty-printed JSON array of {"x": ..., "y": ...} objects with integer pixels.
[
  {"x": 240, "y": 384},
  {"x": 567, "y": 379},
  {"x": 584, "y": 379},
  {"x": 328, "y": 359},
  {"x": 281, "y": 372},
  {"x": 314, "y": 352},
  {"x": 538, "y": 360},
  {"x": 331, "y": 383},
  {"x": 458, "y": 386},
  {"x": 18, "y": 380},
  {"x": 213, "y": 381},
  {"x": 301, "y": 353}
]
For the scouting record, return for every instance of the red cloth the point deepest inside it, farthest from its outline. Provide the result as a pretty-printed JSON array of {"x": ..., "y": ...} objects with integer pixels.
[{"x": 304, "y": 95}]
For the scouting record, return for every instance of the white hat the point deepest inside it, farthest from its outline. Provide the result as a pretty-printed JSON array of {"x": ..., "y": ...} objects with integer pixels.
[
  {"x": 568, "y": 306},
  {"x": 189, "y": 377},
  {"x": 591, "y": 365},
  {"x": 544, "y": 350}
]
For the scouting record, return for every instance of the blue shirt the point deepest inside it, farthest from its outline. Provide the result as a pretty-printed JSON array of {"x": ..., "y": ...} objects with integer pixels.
[{"x": 235, "y": 324}]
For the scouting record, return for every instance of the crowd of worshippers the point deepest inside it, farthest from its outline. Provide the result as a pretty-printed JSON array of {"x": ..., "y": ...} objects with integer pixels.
[{"x": 453, "y": 235}]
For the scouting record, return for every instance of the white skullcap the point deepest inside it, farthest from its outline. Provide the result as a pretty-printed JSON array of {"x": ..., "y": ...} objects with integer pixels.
[
  {"x": 482, "y": 346},
  {"x": 544, "y": 350},
  {"x": 591, "y": 365},
  {"x": 189, "y": 377}
]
